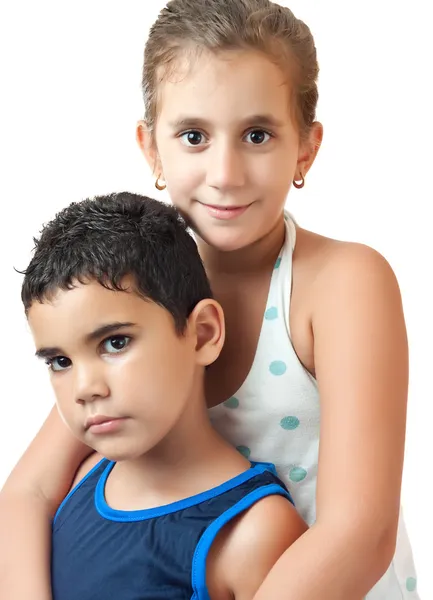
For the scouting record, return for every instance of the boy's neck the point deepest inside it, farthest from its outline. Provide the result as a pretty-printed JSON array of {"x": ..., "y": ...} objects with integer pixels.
[{"x": 192, "y": 459}]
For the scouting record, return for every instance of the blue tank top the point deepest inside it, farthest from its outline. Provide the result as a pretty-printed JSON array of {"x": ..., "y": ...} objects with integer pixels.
[{"x": 99, "y": 553}]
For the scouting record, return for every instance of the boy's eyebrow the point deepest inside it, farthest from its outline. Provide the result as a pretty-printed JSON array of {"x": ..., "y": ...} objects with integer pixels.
[
  {"x": 105, "y": 330},
  {"x": 99, "y": 332},
  {"x": 186, "y": 122}
]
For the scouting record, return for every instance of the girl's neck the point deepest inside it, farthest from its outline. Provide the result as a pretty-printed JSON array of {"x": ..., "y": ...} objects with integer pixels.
[{"x": 259, "y": 256}]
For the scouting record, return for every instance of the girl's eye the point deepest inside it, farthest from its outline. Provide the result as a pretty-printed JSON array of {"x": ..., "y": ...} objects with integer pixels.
[
  {"x": 58, "y": 363},
  {"x": 116, "y": 343},
  {"x": 192, "y": 138},
  {"x": 258, "y": 136}
]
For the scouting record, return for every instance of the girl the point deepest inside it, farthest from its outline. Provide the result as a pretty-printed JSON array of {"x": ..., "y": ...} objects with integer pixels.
[{"x": 316, "y": 341}]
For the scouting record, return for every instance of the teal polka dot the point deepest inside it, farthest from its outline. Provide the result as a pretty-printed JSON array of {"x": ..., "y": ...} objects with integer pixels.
[
  {"x": 232, "y": 403},
  {"x": 289, "y": 423},
  {"x": 278, "y": 367},
  {"x": 271, "y": 313},
  {"x": 244, "y": 450},
  {"x": 297, "y": 474},
  {"x": 277, "y": 263},
  {"x": 411, "y": 584}
]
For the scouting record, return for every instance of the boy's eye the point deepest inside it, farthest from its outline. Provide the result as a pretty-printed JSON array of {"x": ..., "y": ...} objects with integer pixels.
[
  {"x": 58, "y": 363},
  {"x": 192, "y": 138},
  {"x": 258, "y": 136},
  {"x": 116, "y": 343}
]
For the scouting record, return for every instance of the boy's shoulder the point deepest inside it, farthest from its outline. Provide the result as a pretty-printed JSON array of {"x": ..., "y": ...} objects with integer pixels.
[
  {"x": 247, "y": 548},
  {"x": 86, "y": 466}
]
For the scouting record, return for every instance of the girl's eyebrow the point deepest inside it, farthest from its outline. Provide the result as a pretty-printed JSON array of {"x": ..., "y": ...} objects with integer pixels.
[
  {"x": 266, "y": 120},
  {"x": 185, "y": 122},
  {"x": 188, "y": 122}
]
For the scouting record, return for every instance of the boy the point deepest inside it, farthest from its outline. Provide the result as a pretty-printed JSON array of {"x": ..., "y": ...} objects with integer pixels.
[{"x": 121, "y": 310}]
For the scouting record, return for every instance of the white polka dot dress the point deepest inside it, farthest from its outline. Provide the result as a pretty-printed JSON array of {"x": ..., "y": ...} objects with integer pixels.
[{"x": 275, "y": 417}]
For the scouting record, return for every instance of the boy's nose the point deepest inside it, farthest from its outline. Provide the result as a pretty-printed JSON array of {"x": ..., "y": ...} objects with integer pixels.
[{"x": 90, "y": 385}]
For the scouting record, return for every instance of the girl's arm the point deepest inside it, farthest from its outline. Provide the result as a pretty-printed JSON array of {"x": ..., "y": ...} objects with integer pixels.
[
  {"x": 28, "y": 502},
  {"x": 361, "y": 361}
]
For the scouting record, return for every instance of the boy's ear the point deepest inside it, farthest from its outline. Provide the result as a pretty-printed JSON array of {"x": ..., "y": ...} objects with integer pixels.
[
  {"x": 146, "y": 143},
  {"x": 206, "y": 322}
]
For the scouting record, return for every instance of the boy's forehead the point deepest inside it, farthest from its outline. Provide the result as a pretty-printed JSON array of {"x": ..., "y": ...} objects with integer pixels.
[{"x": 77, "y": 311}]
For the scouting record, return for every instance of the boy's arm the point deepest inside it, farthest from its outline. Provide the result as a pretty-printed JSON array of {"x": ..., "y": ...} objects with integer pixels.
[
  {"x": 28, "y": 501},
  {"x": 246, "y": 550}
]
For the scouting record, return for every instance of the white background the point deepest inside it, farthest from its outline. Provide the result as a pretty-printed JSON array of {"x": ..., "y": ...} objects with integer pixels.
[{"x": 70, "y": 97}]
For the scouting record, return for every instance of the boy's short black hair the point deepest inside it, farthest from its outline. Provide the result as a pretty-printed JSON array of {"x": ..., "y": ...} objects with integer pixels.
[{"x": 107, "y": 238}]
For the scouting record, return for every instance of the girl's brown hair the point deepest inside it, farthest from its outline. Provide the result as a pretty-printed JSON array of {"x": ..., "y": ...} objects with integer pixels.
[{"x": 188, "y": 27}]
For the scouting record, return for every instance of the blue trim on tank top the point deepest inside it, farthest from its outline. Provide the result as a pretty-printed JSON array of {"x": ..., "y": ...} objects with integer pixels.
[
  {"x": 198, "y": 572},
  {"x": 112, "y": 514}
]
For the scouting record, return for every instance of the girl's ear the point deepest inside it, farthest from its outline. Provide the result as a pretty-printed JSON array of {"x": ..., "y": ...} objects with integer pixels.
[
  {"x": 308, "y": 150},
  {"x": 146, "y": 142}
]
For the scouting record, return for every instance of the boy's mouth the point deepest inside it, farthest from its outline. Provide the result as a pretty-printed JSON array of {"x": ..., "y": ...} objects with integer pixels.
[{"x": 103, "y": 424}]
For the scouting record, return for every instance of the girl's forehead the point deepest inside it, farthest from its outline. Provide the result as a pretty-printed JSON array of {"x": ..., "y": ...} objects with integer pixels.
[{"x": 238, "y": 83}]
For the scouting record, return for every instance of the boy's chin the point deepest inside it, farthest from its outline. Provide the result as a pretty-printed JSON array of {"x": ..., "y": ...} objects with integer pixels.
[{"x": 120, "y": 453}]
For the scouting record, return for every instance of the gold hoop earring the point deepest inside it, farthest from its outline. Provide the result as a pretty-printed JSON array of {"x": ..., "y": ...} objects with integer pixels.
[
  {"x": 159, "y": 186},
  {"x": 299, "y": 184}
]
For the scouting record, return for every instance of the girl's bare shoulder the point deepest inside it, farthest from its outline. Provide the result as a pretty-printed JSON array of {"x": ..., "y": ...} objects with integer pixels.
[{"x": 318, "y": 259}]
